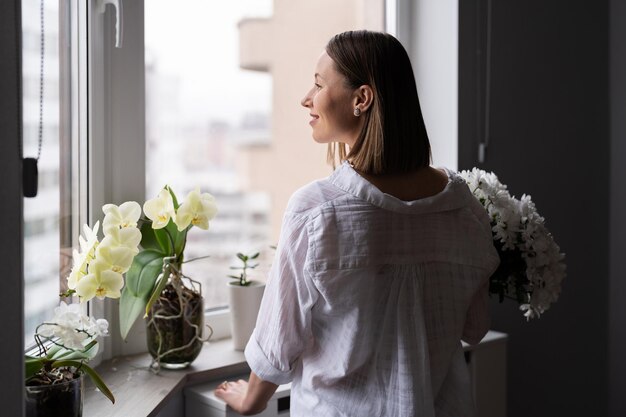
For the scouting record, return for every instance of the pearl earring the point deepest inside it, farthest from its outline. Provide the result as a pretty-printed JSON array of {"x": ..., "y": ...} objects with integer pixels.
[{"x": 357, "y": 111}]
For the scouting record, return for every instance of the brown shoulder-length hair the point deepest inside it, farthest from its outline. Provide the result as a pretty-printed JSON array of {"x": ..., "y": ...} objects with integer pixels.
[{"x": 393, "y": 138}]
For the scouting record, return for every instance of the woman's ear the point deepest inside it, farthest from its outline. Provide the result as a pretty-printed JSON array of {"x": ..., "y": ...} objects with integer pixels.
[{"x": 363, "y": 98}]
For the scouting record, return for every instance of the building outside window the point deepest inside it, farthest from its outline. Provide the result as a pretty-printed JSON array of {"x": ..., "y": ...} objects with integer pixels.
[{"x": 223, "y": 87}]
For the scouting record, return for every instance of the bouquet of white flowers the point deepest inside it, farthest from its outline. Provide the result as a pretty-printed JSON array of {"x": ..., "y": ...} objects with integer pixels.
[{"x": 531, "y": 265}]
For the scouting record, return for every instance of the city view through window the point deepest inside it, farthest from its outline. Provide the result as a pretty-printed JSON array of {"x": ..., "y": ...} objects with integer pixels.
[
  {"x": 45, "y": 260},
  {"x": 224, "y": 81},
  {"x": 223, "y": 85},
  {"x": 201, "y": 110}
]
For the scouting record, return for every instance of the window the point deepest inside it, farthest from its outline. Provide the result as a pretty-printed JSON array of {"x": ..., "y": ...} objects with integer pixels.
[
  {"x": 51, "y": 218},
  {"x": 223, "y": 87},
  {"x": 199, "y": 117},
  {"x": 43, "y": 259}
]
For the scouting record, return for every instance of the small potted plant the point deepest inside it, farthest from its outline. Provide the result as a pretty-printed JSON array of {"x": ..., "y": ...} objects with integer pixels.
[
  {"x": 245, "y": 299},
  {"x": 54, "y": 372}
]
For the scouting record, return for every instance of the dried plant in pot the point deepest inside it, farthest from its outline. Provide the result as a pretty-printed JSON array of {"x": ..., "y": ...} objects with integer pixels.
[
  {"x": 156, "y": 286},
  {"x": 245, "y": 297}
]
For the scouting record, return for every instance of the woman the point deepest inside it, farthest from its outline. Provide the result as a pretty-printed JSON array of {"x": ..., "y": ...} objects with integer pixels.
[{"x": 382, "y": 268}]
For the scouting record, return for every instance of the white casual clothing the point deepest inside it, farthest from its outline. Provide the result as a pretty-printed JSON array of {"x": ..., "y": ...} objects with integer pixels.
[{"x": 369, "y": 297}]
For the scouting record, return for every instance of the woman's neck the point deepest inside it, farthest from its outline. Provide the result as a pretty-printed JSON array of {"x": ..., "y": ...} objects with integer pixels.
[{"x": 409, "y": 186}]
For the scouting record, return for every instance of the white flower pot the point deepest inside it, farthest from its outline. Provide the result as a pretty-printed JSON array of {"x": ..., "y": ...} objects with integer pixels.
[{"x": 244, "y": 308}]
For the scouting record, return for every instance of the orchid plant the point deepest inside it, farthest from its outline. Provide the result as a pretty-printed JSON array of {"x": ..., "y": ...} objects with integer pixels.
[
  {"x": 99, "y": 266},
  {"x": 163, "y": 240},
  {"x": 64, "y": 345},
  {"x": 69, "y": 340}
]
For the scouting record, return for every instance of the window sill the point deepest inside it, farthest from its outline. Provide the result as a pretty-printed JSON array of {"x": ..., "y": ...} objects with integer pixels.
[{"x": 138, "y": 392}]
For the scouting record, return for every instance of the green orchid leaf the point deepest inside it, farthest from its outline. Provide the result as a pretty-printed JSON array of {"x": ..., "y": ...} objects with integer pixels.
[
  {"x": 33, "y": 364},
  {"x": 143, "y": 272},
  {"x": 131, "y": 307},
  {"x": 52, "y": 350},
  {"x": 164, "y": 278},
  {"x": 174, "y": 199},
  {"x": 256, "y": 255},
  {"x": 165, "y": 239},
  {"x": 141, "y": 279},
  {"x": 178, "y": 238},
  {"x": 95, "y": 378},
  {"x": 149, "y": 239},
  {"x": 88, "y": 353}
]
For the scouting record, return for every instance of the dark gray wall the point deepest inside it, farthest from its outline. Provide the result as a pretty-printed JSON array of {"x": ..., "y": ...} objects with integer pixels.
[
  {"x": 11, "y": 310},
  {"x": 617, "y": 230},
  {"x": 550, "y": 139}
]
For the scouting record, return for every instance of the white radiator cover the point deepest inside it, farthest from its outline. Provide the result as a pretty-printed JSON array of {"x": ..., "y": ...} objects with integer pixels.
[{"x": 486, "y": 362}]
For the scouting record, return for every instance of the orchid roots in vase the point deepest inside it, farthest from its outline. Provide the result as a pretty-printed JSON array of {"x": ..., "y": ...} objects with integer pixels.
[{"x": 175, "y": 324}]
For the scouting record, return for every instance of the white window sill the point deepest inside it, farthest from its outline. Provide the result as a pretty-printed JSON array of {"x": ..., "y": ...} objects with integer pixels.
[{"x": 139, "y": 393}]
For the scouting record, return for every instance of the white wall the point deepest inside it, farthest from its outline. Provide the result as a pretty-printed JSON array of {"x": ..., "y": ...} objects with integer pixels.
[{"x": 429, "y": 31}]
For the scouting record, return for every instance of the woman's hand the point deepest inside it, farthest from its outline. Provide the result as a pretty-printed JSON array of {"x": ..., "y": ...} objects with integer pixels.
[
  {"x": 246, "y": 398},
  {"x": 233, "y": 394}
]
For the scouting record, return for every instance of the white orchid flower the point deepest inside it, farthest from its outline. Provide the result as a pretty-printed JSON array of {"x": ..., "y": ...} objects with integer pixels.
[
  {"x": 99, "y": 327},
  {"x": 79, "y": 269},
  {"x": 160, "y": 209},
  {"x": 89, "y": 242},
  {"x": 197, "y": 209},
  {"x": 100, "y": 283},
  {"x": 125, "y": 215},
  {"x": 116, "y": 258},
  {"x": 128, "y": 238},
  {"x": 67, "y": 324}
]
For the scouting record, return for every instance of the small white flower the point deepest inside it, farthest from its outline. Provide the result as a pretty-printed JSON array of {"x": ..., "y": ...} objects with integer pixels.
[
  {"x": 99, "y": 327},
  {"x": 69, "y": 325}
]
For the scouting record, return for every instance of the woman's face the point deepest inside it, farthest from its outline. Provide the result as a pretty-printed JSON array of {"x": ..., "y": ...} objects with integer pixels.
[{"x": 330, "y": 103}]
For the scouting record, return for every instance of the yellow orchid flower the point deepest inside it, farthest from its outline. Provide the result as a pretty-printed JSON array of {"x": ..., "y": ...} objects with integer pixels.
[
  {"x": 160, "y": 209},
  {"x": 116, "y": 258},
  {"x": 125, "y": 215},
  {"x": 197, "y": 209},
  {"x": 128, "y": 238},
  {"x": 100, "y": 283}
]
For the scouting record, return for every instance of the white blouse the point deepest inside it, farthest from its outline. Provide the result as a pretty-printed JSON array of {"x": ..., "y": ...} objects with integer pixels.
[{"x": 369, "y": 297}]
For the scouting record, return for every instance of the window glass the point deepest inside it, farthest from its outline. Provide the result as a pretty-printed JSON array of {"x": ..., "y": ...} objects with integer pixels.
[
  {"x": 201, "y": 110},
  {"x": 224, "y": 81},
  {"x": 45, "y": 257}
]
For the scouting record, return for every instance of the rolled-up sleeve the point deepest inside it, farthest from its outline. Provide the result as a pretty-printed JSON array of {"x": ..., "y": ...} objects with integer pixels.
[{"x": 283, "y": 327}]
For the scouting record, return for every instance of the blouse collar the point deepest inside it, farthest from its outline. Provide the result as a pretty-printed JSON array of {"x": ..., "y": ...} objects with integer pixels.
[{"x": 455, "y": 195}]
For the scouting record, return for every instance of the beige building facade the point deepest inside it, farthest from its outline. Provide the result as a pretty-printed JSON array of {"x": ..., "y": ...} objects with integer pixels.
[{"x": 287, "y": 45}]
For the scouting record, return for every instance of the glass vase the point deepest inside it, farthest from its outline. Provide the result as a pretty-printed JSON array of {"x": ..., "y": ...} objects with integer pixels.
[
  {"x": 64, "y": 399},
  {"x": 174, "y": 329}
]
